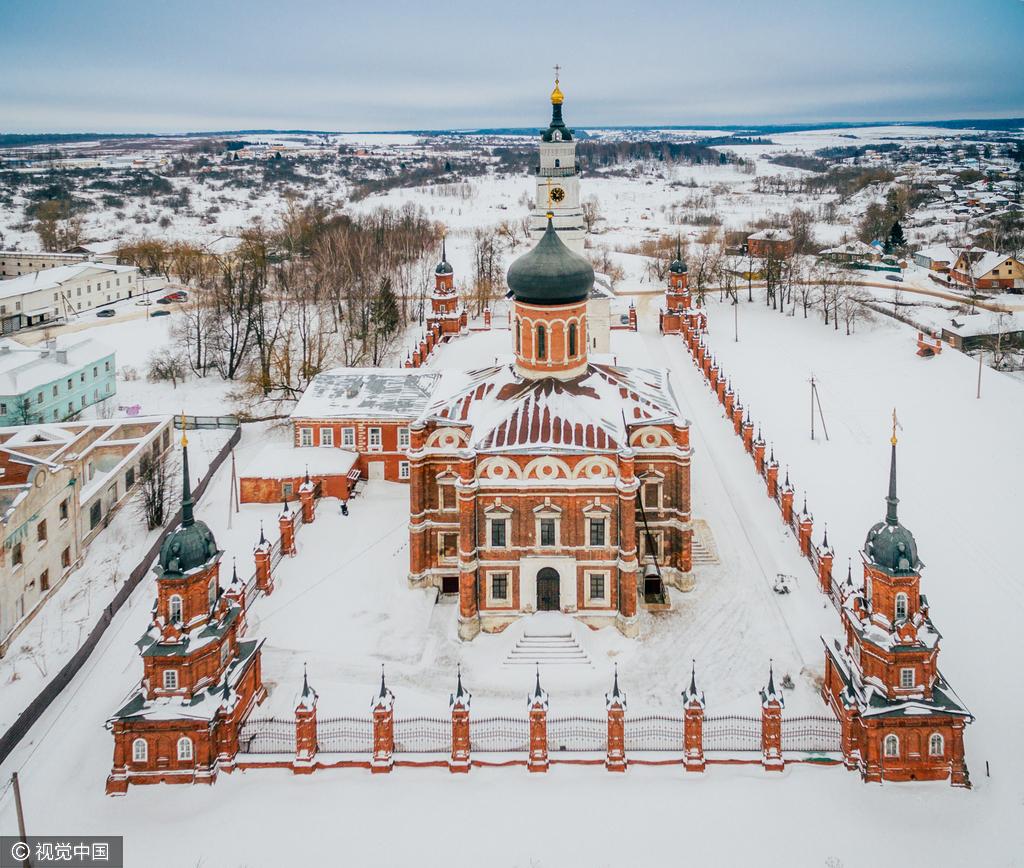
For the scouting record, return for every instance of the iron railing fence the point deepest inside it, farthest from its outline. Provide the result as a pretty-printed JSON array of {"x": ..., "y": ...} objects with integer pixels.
[
  {"x": 345, "y": 735},
  {"x": 732, "y": 732},
  {"x": 577, "y": 733},
  {"x": 499, "y": 734},
  {"x": 811, "y": 734},
  {"x": 653, "y": 732},
  {"x": 423, "y": 735},
  {"x": 267, "y": 735}
]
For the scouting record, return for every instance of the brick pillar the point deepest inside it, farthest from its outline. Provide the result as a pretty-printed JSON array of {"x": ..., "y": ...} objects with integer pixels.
[
  {"x": 383, "y": 705},
  {"x": 848, "y": 742},
  {"x": 261, "y": 555},
  {"x": 487, "y": 317},
  {"x": 627, "y": 486},
  {"x": 537, "y": 703},
  {"x": 772, "y": 703},
  {"x": 787, "y": 501},
  {"x": 693, "y": 725},
  {"x": 771, "y": 475},
  {"x": 804, "y": 530},
  {"x": 459, "y": 702},
  {"x": 757, "y": 450},
  {"x": 720, "y": 388},
  {"x": 226, "y": 725},
  {"x": 408, "y": 361},
  {"x": 748, "y": 438},
  {"x": 117, "y": 780},
  {"x": 959, "y": 776},
  {"x": 737, "y": 417},
  {"x": 712, "y": 373},
  {"x": 825, "y": 556},
  {"x": 728, "y": 398},
  {"x": 305, "y": 729},
  {"x": 307, "y": 498},
  {"x": 615, "y": 705},
  {"x": 419, "y": 538},
  {"x": 415, "y": 358},
  {"x": 286, "y": 524},
  {"x": 469, "y": 617},
  {"x": 632, "y": 317}
]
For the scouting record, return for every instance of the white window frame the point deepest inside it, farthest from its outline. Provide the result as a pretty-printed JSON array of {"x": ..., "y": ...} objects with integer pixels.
[
  {"x": 550, "y": 512},
  {"x": 375, "y": 433},
  {"x": 442, "y": 483},
  {"x": 185, "y": 749},
  {"x": 305, "y": 436},
  {"x": 891, "y": 739},
  {"x": 901, "y": 597},
  {"x": 659, "y": 484},
  {"x": 941, "y": 744},
  {"x": 140, "y": 755},
  {"x": 603, "y": 520},
  {"x": 403, "y": 470},
  {"x": 326, "y": 436},
  {"x": 441, "y": 556},
  {"x": 403, "y": 438},
  {"x": 908, "y": 673},
  {"x": 606, "y": 575},
  {"x": 348, "y": 438},
  {"x": 658, "y": 535},
  {"x": 170, "y": 679},
  {"x": 175, "y": 602},
  {"x": 499, "y": 602}
]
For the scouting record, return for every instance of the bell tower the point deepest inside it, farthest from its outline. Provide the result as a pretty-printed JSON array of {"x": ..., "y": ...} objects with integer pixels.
[{"x": 558, "y": 180}]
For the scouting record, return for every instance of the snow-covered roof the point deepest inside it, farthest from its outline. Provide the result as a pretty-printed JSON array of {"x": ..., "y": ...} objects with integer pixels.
[
  {"x": 367, "y": 393},
  {"x": 509, "y": 413},
  {"x": 280, "y": 460},
  {"x": 23, "y": 368},
  {"x": 51, "y": 278},
  {"x": 771, "y": 235},
  {"x": 987, "y": 260},
  {"x": 939, "y": 253},
  {"x": 850, "y": 248}
]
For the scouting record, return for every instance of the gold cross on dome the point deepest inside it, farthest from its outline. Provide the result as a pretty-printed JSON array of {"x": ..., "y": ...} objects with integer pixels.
[
  {"x": 557, "y": 70},
  {"x": 548, "y": 183},
  {"x": 895, "y": 425}
]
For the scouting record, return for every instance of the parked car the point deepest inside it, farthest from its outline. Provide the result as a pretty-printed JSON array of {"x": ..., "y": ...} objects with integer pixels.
[
  {"x": 161, "y": 313},
  {"x": 898, "y": 278},
  {"x": 178, "y": 295},
  {"x": 163, "y": 300},
  {"x": 145, "y": 302},
  {"x": 105, "y": 313}
]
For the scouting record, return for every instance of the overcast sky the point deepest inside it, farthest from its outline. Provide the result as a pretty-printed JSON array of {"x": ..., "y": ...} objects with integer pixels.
[{"x": 185, "y": 65}]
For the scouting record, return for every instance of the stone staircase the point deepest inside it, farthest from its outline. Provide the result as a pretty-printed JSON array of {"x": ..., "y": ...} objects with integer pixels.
[
  {"x": 547, "y": 648},
  {"x": 702, "y": 547}
]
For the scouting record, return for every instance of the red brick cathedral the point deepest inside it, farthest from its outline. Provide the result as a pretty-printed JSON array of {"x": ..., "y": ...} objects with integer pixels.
[
  {"x": 900, "y": 719},
  {"x": 552, "y": 483}
]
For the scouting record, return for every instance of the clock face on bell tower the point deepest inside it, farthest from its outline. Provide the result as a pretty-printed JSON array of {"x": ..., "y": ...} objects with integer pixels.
[{"x": 557, "y": 194}]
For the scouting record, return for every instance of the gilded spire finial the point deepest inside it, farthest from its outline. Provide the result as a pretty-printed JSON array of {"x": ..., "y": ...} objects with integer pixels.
[
  {"x": 895, "y": 423},
  {"x": 184, "y": 437},
  {"x": 556, "y": 95}
]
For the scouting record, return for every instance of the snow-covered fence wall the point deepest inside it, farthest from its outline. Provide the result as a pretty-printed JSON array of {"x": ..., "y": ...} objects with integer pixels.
[
  {"x": 800, "y": 522},
  {"x": 25, "y": 721}
]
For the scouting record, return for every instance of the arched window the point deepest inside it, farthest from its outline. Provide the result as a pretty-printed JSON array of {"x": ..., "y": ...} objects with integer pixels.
[
  {"x": 174, "y": 608},
  {"x": 936, "y": 744},
  {"x": 184, "y": 748},
  {"x": 140, "y": 750},
  {"x": 557, "y": 162},
  {"x": 542, "y": 343},
  {"x": 901, "y": 607},
  {"x": 572, "y": 340},
  {"x": 519, "y": 336},
  {"x": 891, "y": 745},
  {"x": 170, "y": 679},
  {"x": 211, "y": 593}
]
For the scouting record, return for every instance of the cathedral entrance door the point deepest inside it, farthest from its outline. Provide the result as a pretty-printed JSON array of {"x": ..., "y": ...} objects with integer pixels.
[{"x": 547, "y": 590}]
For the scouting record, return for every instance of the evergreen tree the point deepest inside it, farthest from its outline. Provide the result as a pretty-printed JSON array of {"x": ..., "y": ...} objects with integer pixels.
[
  {"x": 896, "y": 238},
  {"x": 386, "y": 318}
]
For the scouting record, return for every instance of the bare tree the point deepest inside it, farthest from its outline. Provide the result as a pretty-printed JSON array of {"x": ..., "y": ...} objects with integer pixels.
[
  {"x": 165, "y": 364},
  {"x": 591, "y": 212},
  {"x": 155, "y": 488}
]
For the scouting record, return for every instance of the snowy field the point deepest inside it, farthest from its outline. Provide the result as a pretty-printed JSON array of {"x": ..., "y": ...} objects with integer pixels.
[{"x": 343, "y": 607}]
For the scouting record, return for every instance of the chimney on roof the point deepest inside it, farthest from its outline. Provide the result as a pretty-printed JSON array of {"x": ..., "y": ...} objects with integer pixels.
[{"x": 62, "y": 357}]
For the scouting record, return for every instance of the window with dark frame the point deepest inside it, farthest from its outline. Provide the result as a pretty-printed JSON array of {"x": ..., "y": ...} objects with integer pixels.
[
  {"x": 41, "y": 531},
  {"x": 596, "y": 586},
  {"x": 499, "y": 586},
  {"x": 450, "y": 545},
  {"x": 499, "y": 537},
  {"x": 547, "y": 531},
  {"x": 542, "y": 346},
  {"x": 597, "y": 532}
]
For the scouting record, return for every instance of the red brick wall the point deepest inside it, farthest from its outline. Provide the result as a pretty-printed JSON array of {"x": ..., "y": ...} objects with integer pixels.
[{"x": 390, "y": 452}]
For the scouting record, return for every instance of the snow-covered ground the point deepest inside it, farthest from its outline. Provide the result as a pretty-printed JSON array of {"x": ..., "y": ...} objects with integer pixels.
[{"x": 343, "y": 607}]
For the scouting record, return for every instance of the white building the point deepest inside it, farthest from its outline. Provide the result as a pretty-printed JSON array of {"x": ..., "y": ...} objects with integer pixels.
[{"x": 63, "y": 292}]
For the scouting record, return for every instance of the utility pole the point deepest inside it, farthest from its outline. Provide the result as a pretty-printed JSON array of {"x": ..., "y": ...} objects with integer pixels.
[
  {"x": 22, "y": 836},
  {"x": 981, "y": 354},
  {"x": 812, "y": 406},
  {"x": 736, "y": 320}
]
